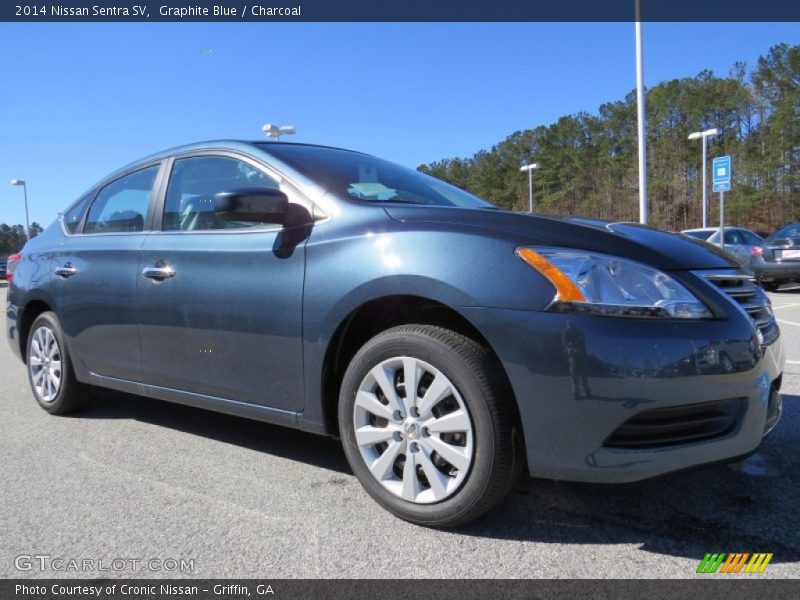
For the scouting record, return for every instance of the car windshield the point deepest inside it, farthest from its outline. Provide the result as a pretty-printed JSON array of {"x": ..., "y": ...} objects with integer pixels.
[
  {"x": 790, "y": 231},
  {"x": 362, "y": 177},
  {"x": 700, "y": 235}
]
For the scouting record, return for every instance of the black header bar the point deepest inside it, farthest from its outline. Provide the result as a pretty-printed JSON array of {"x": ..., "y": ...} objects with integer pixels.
[{"x": 399, "y": 10}]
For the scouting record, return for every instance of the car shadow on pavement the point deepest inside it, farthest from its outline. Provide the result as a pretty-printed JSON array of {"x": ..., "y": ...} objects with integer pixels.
[
  {"x": 748, "y": 506},
  {"x": 287, "y": 443}
]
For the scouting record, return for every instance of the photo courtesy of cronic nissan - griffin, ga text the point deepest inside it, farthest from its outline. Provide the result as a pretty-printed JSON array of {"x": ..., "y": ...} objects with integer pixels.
[{"x": 450, "y": 345}]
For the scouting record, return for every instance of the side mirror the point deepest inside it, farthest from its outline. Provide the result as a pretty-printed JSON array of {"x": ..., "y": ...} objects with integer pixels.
[{"x": 253, "y": 205}]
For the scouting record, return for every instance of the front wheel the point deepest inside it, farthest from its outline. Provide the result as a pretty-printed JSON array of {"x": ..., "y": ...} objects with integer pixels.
[{"x": 427, "y": 425}]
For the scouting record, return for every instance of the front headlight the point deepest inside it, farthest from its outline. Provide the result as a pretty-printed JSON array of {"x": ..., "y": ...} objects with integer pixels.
[{"x": 598, "y": 283}]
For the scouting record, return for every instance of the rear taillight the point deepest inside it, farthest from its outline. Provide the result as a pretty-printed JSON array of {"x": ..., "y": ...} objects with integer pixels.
[
  {"x": 756, "y": 251},
  {"x": 13, "y": 261}
]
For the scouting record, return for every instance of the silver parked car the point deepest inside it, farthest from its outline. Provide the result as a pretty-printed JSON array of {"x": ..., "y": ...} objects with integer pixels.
[{"x": 738, "y": 241}]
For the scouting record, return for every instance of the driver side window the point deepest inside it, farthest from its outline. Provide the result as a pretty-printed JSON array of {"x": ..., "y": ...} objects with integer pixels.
[{"x": 193, "y": 184}]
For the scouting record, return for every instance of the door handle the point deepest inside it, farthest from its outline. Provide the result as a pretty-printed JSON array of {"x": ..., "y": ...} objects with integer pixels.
[
  {"x": 67, "y": 270},
  {"x": 158, "y": 273}
]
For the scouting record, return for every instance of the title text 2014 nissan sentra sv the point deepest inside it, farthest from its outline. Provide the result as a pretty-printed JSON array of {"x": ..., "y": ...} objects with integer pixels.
[{"x": 449, "y": 344}]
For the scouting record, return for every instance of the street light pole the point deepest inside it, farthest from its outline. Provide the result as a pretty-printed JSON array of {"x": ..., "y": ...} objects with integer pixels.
[
  {"x": 529, "y": 168},
  {"x": 25, "y": 194},
  {"x": 704, "y": 135},
  {"x": 644, "y": 209}
]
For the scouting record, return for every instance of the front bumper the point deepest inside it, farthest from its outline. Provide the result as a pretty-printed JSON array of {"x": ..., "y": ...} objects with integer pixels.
[{"x": 578, "y": 378}]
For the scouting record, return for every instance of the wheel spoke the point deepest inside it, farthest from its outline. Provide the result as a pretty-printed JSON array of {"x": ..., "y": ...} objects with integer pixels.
[
  {"x": 410, "y": 380},
  {"x": 382, "y": 466},
  {"x": 455, "y": 455},
  {"x": 436, "y": 479},
  {"x": 411, "y": 486},
  {"x": 438, "y": 390},
  {"x": 371, "y": 404},
  {"x": 55, "y": 365},
  {"x": 37, "y": 376},
  {"x": 458, "y": 420},
  {"x": 35, "y": 361},
  {"x": 46, "y": 386},
  {"x": 36, "y": 347},
  {"x": 385, "y": 381},
  {"x": 369, "y": 435}
]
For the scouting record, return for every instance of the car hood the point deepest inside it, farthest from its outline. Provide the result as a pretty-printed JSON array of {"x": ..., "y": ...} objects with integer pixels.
[{"x": 659, "y": 249}]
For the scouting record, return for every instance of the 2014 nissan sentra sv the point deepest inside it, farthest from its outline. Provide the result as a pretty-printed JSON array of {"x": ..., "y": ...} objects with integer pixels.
[{"x": 447, "y": 343}]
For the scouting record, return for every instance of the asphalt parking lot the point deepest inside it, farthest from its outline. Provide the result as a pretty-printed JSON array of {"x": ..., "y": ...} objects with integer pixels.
[{"x": 133, "y": 478}]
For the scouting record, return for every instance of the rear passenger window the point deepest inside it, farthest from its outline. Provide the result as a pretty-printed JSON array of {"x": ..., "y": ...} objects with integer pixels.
[
  {"x": 122, "y": 205},
  {"x": 72, "y": 218},
  {"x": 195, "y": 181}
]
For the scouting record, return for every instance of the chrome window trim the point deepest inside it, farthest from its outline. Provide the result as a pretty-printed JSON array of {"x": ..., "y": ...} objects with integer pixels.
[{"x": 255, "y": 161}]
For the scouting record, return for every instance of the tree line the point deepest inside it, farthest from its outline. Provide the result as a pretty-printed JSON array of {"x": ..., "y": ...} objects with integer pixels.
[
  {"x": 589, "y": 161},
  {"x": 12, "y": 237}
]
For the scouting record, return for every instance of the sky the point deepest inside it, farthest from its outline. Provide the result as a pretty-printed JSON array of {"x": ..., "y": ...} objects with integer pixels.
[{"x": 80, "y": 100}]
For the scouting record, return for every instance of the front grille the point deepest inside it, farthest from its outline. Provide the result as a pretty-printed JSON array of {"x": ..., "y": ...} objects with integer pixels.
[
  {"x": 744, "y": 289},
  {"x": 678, "y": 425}
]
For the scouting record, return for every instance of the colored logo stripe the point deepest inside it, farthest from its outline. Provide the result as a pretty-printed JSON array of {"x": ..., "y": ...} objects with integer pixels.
[
  {"x": 733, "y": 562},
  {"x": 758, "y": 563},
  {"x": 711, "y": 563}
]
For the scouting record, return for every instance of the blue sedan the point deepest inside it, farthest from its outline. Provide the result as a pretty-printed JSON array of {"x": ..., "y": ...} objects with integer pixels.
[{"x": 449, "y": 344}]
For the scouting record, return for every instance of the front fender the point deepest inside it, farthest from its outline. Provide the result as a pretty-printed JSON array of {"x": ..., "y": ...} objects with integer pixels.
[{"x": 354, "y": 263}]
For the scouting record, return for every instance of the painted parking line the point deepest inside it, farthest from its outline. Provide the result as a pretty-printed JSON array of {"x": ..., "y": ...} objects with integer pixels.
[
  {"x": 792, "y": 362},
  {"x": 776, "y": 306},
  {"x": 785, "y": 322}
]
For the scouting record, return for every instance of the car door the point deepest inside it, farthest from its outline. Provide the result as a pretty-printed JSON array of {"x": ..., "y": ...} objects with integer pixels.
[
  {"x": 221, "y": 302},
  {"x": 96, "y": 274}
]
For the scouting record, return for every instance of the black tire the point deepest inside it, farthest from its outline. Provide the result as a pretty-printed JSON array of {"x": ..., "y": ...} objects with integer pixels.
[
  {"x": 498, "y": 455},
  {"x": 72, "y": 395},
  {"x": 771, "y": 286}
]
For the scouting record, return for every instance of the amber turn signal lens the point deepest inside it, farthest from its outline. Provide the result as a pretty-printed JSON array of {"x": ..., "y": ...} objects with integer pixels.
[{"x": 566, "y": 291}]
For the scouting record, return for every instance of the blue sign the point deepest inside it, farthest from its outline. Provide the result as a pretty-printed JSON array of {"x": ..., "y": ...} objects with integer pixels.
[
  {"x": 722, "y": 186},
  {"x": 721, "y": 170}
]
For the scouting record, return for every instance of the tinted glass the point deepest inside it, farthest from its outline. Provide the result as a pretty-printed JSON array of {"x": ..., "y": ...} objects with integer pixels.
[
  {"x": 362, "y": 177},
  {"x": 72, "y": 218},
  {"x": 750, "y": 238},
  {"x": 790, "y": 231},
  {"x": 121, "y": 206},
  {"x": 733, "y": 237},
  {"x": 193, "y": 184}
]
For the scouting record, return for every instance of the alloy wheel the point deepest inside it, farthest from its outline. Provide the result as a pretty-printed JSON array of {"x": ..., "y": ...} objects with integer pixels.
[{"x": 44, "y": 364}]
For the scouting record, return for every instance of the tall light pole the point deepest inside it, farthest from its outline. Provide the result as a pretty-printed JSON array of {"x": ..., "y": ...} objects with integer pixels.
[
  {"x": 704, "y": 135},
  {"x": 529, "y": 168},
  {"x": 273, "y": 131},
  {"x": 25, "y": 192},
  {"x": 644, "y": 208}
]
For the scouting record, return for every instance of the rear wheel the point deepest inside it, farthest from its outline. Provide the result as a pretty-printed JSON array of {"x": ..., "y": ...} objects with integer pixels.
[
  {"x": 427, "y": 425},
  {"x": 50, "y": 370}
]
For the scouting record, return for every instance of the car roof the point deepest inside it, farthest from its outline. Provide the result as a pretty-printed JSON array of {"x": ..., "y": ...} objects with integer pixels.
[{"x": 255, "y": 148}]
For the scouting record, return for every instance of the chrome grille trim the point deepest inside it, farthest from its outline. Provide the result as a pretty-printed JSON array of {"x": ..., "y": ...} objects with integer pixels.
[{"x": 744, "y": 290}]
